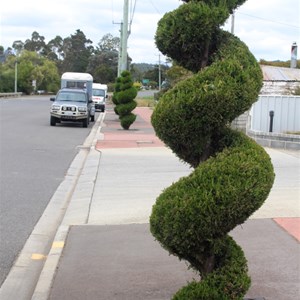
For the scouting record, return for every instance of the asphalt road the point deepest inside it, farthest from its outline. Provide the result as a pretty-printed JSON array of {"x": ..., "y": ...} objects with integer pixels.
[{"x": 33, "y": 160}]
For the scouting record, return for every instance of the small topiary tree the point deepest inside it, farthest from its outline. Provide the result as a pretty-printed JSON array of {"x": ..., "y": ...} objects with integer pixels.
[
  {"x": 123, "y": 98},
  {"x": 232, "y": 175}
]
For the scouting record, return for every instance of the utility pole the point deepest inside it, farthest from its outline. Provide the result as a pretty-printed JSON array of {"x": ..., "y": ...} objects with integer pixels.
[
  {"x": 124, "y": 38},
  {"x": 159, "y": 73},
  {"x": 294, "y": 55},
  {"x": 120, "y": 51},
  {"x": 16, "y": 75},
  {"x": 232, "y": 23}
]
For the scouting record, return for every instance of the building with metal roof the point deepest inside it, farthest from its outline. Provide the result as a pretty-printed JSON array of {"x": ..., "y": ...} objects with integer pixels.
[
  {"x": 271, "y": 73},
  {"x": 279, "y": 80}
]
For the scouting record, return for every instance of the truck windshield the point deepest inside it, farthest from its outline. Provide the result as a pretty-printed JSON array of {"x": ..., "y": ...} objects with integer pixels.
[
  {"x": 99, "y": 93},
  {"x": 70, "y": 96}
]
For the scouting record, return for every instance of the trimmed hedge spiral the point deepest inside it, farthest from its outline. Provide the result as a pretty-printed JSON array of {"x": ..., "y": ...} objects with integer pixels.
[
  {"x": 232, "y": 175},
  {"x": 123, "y": 98}
]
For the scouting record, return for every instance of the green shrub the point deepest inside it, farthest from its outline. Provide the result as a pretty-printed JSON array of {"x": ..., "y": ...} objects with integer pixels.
[
  {"x": 123, "y": 98},
  {"x": 232, "y": 175},
  {"x": 126, "y": 109},
  {"x": 127, "y": 120}
]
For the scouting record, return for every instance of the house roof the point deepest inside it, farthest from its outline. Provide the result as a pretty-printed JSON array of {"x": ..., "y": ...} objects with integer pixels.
[{"x": 271, "y": 73}]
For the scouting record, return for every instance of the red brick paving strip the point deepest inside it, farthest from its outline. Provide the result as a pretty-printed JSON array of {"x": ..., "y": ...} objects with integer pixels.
[
  {"x": 291, "y": 225},
  {"x": 140, "y": 134}
]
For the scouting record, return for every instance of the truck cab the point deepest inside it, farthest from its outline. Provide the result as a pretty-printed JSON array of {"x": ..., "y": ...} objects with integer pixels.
[{"x": 99, "y": 96}]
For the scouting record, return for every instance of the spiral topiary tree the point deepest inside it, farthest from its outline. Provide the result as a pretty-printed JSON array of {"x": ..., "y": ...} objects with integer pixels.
[
  {"x": 123, "y": 98},
  {"x": 232, "y": 175}
]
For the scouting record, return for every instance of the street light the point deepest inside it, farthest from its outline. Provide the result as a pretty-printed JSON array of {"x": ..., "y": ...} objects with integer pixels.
[{"x": 16, "y": 75}]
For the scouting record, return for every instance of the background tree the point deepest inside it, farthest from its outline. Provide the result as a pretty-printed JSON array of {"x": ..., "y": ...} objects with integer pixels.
[
  {"x": 31, "y": 66},
  {"x": 136, "y": 73},
  {"x": 74, "y": 53},
  {"x": 176, "y": 74},
  {"x": 18, "y": 46},
  {"x": 124, "y": 99},
  {"x": 108, "y": 43},
  {"x": 282, "y": 64},
  {"x": 36, "y": 43},
  {"x": 77, "y": 50},
  {"x": 103, "y": 65},
  {"x": 7, "y": 78},
  {"x": 232, "y": 175},
  {"x": 56, "y": 46}
]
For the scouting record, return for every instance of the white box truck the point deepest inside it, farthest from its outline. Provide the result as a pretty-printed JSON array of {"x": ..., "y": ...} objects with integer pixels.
[{"x": 99, "y": 96}]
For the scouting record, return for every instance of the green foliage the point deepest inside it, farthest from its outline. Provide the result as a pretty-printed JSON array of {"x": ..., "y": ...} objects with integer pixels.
[
  {"x": 126, "y": 109},
  {"x": 7, "y": 80},
  {"x": 193, "y": 108},
  {"x": 190, "y": 39},
  {"x": 36, "y": 43},
  {"x": 137, "y": 85},
  {"x": 227, "y": 282},
  {"x": 177, "y": 73},
  {"x": 74, "y": 53},
  {"x": 296, "y": 92},
  {"x": 30, "y": 66},
  {"x": 126, "y": 95},
  {"x": 233, "y": 175},
  {"x": 127, "y": 120},
  {"x": 221, "y": 193},
  {"x": 103, "y": 65},
  {"x": 282, "y": 64},
  {"x": 77, "y": 53},
  {"x": 123, "y": 98},
  {"x": 108, "y": 43}
]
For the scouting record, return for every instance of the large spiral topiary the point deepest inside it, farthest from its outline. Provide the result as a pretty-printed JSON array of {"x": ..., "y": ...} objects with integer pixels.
[{"x": 232, "y": 175}]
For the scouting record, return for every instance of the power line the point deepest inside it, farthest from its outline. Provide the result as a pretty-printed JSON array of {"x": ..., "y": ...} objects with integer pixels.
[
  {"x": 132, "y": 10},
  {"x": 156, "y": 9},
  {"x": 268, "y": 20},
  {"x": 112, "y": 10}
]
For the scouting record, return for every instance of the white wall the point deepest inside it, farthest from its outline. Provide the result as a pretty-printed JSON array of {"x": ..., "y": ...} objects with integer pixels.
[{"x": 286, "y": 113}]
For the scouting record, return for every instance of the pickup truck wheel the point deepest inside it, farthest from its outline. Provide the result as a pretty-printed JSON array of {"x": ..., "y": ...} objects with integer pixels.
[
  {"x": 85, "y": 122},
  {"x": 52, "y": 121}
]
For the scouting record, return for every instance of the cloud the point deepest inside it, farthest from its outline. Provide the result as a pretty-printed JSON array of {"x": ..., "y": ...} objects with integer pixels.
[{"x": 268, "y": 27}]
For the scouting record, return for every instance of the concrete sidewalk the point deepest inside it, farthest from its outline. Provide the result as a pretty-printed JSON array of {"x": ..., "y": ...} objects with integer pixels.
[
  {"x": 114, "y": 256},
  {"x": 104, "y": 249}
]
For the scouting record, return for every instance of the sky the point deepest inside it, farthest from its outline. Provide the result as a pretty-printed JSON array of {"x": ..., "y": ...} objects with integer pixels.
[{"x": 268, "y": 27}]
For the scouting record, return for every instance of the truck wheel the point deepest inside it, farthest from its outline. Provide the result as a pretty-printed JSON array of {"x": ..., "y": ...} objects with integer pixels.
[
  {"x": 85, "y": 122},
  {"x": 52, "y": 121}
]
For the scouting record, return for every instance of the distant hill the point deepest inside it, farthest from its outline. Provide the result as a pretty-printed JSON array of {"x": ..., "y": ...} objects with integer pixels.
[
  {"x": 278, "y": 63},
  {"x": 142, "y": 67}
]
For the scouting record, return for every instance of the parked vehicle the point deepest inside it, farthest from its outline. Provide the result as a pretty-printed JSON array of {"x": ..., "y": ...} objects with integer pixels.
[
  {"x": 71, "y": 105},
  {"x": 73, "y": 101},
  {"x": 78, "y": 80},
  {"x": 99, "y": 96}
]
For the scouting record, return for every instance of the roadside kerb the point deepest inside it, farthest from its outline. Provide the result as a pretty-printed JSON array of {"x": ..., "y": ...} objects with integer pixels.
[
  {"x": 76, "y": 214},
  {"x": 22, "y": 279}
]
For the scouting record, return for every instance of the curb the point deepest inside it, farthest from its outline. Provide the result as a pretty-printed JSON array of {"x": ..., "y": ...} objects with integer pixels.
[
  {"x": 26, "y": 279},
  {"x": 276, "y": 140},
  {"x": 76, "y": 213}
]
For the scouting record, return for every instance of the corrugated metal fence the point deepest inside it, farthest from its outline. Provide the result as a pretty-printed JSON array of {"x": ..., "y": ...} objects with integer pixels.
[{"x": 286, "y": 114}]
